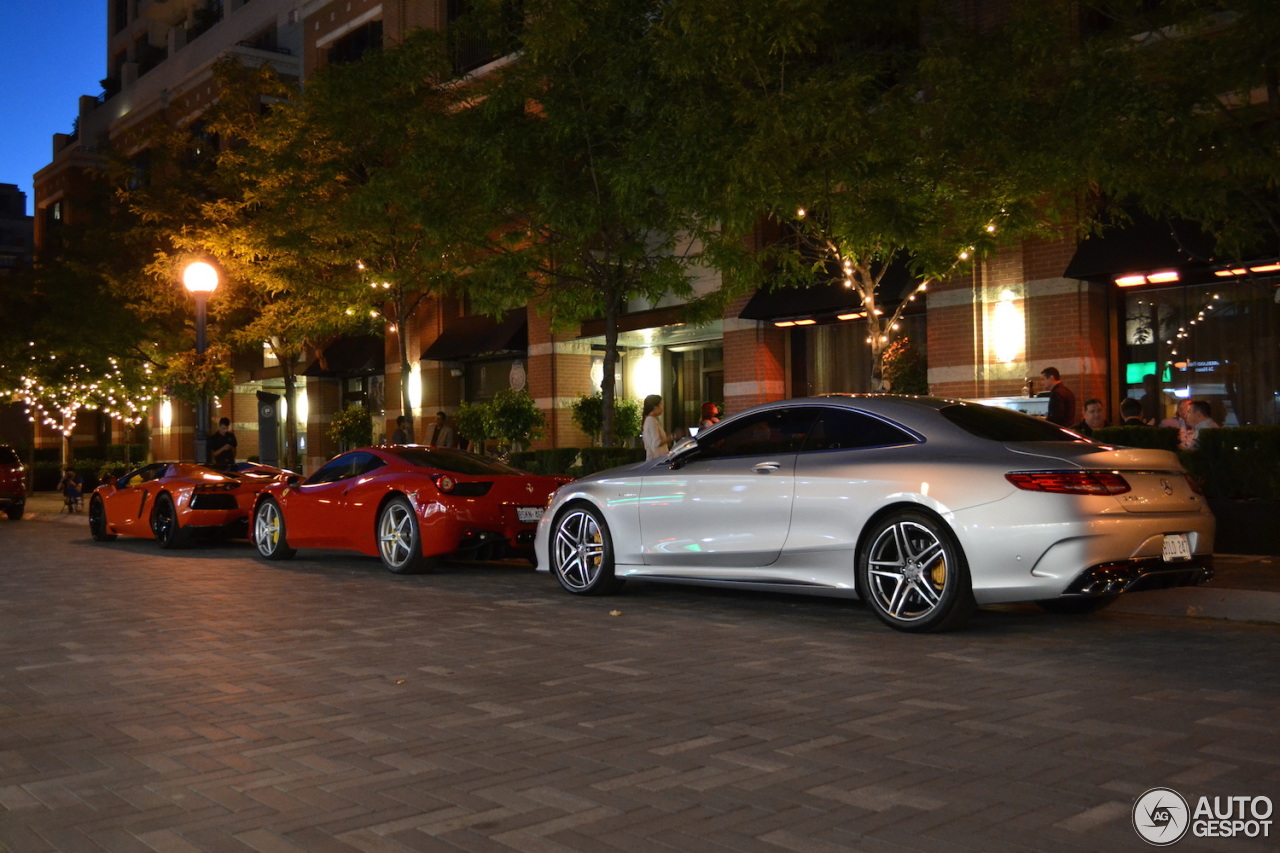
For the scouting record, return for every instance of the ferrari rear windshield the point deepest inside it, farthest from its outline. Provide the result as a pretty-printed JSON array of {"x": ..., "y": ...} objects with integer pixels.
[
  {"x": 455, "y": 461},
  {"x": 1003, "y": 425}
]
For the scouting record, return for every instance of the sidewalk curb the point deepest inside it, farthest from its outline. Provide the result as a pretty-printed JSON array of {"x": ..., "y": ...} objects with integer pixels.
[{"x": 1205, "y": 602}]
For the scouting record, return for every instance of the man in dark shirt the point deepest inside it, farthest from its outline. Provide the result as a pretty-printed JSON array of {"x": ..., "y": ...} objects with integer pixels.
[
  {"x": 222, "y": 446},
  {"x": 1095, "y": 417},
  {"x": 1131, "y": 411},
  {"x": 1062, "y": 403}
]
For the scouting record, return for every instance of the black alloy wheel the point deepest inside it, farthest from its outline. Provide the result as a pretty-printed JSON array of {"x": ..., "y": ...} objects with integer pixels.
[{"x": 98, "y": 521}]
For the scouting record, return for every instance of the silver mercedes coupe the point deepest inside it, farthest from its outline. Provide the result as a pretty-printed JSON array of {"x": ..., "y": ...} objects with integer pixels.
[{"x": 925, "y": 508}]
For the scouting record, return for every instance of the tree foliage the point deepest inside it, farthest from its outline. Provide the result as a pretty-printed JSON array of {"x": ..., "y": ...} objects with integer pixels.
[
  {"x": 828, "y": 118},
  {"x": 1194, "y": 124},
  {"x": 355, "y": 190},
  {"x": 352, "y": 427},
  {"x": 564, "y": 138},
  {"x": 587, "y": 413}
]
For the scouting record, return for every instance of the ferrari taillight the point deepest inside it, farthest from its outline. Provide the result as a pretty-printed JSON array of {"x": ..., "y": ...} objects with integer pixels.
[
  {"x": 228, "y": 486},
  {"x": 1070, "y": 482},
  {"x": 445, "y": 483}
]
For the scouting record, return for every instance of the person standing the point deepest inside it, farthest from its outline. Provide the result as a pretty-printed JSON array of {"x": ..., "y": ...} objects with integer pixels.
[
  {"x": 401, "y": 435},
  {"x": 442, "y": 435},
  {"x": 710, "y": 416},
  {"x": 1062, "y": 402},
  {"x": 656, "y": 442},
  {"x": 222, "y": 446}
]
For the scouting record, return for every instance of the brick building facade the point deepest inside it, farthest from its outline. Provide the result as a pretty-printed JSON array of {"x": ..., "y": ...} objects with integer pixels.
[{"x": 985, "y": 332}]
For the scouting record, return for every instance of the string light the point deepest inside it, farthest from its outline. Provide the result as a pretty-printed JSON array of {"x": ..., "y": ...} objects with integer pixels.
[{"x": 57, "y": 405}]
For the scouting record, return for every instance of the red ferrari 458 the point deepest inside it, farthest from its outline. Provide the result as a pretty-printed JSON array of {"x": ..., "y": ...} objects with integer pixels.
[
  {"x": 173, "y": 501},
  {"x": 409, "y": 505}
]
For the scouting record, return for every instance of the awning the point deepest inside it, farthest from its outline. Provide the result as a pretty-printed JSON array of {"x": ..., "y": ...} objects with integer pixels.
[
  {"x": 652, "y": 318},
  {"x": 825, "y": 300},
  {"x": 1142, "y": 247},
  {"x": 480, "y": 334},
  {"x": 359, "y": 355}
]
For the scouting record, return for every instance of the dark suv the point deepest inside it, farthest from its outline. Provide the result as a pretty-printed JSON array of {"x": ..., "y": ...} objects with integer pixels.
[{"x": 13, "y": 483}]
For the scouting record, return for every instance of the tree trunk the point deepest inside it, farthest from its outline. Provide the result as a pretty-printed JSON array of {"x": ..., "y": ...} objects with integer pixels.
[
  {"x": 607, "y": 389},
  {"x": 291, "y": 420},
  {"x": 877, "y": 358},
  {"x": 406, "y": 376}
]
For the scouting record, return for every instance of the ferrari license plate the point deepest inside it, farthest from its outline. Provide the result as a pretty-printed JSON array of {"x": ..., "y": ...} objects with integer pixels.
[
  {"x": 1176, "y": 547},
  {"x": 530, "y": 514}
]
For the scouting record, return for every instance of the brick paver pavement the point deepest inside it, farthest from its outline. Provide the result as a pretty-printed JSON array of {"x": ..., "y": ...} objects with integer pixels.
[{"x": 206, "y": 701}]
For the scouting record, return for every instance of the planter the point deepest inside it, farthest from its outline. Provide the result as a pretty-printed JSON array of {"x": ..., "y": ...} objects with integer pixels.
[{"x": 1246, "y": 527}]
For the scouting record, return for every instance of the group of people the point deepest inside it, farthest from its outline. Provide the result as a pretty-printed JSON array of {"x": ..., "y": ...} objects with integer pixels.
[
  {"x": 442, "y": 432},
  {"x": 1191, "y": 419},
  {"x": 657, "y": 442}
]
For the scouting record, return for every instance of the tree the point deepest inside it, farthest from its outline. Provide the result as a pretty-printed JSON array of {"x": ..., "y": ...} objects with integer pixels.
[
  {"x": 1180, "y": 107},
  {"x": 832, "y": 120},
  {"x": 563, "y": 138},
  {"x": 369, "y": 213},
  {"x": 224, "y": 187},
  {"x": 588, "y": 416},
  {"x": 514, "y": 419},
  {"x": 352, "y": 427},
  {"x": 67, "y": 343}
]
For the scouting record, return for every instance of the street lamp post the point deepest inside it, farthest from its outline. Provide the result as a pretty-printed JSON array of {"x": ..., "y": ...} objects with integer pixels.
[{"x": 201, "y": 279}]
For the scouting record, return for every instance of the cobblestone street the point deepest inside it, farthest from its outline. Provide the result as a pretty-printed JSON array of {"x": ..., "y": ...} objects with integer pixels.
[{"x": 206, "y": 701}]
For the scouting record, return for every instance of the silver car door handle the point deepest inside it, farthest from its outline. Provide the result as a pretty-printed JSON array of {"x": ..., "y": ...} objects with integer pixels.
[{"x": 766, "y": 467}]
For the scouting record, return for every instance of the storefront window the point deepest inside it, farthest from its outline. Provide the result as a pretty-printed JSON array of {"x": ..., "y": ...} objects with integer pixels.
[
  {"x": 837, "y": 357},
  {"x": 486, "y": 378},
  {"x": 1216, "y": 342}
]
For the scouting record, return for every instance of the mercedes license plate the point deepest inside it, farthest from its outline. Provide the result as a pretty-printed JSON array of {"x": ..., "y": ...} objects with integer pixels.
[
  {"x": 530, "y": 514},
  {"x": 1176, "y": 547}
]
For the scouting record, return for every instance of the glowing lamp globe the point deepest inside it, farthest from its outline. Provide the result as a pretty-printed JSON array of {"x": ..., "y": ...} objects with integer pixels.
[{"x": 200, "y": 277}]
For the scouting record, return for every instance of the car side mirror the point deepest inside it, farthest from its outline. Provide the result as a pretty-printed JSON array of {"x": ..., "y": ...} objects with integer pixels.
[
  {"x": 293, "y": 479},
  {"x": 684, "y": 451},
  {"x": 109, "y": 480}
]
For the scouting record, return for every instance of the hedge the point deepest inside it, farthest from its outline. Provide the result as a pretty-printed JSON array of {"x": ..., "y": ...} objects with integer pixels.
[
  {"x": 574, "y": 461},
  {"x": 1153, "y": 438},
  {"x": 1232, "y": 463},
  {"x": 556, "y": 460},
  {"x": 45, "y": 475},
  {"x": 1237, "y": 463},
  {"x": 593, "y": 459}
]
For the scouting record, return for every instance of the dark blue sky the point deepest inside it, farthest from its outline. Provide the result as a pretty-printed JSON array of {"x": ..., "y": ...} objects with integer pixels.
[{"x": 52, "y": 52}]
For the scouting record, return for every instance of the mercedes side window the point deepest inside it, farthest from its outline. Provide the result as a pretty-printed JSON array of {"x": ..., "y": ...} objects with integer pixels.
[
  {"x": 777, "y": 431},
  {"x": 844, "y": 429}
]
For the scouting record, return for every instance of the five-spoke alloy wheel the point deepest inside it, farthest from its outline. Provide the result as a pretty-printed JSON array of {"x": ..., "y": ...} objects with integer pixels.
[
  {"x": 913, "y": 575},
  {"x": 399, "y": 540},
  {"x": 582, "y": 552},
  {"x": 268, "y": 531}
]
